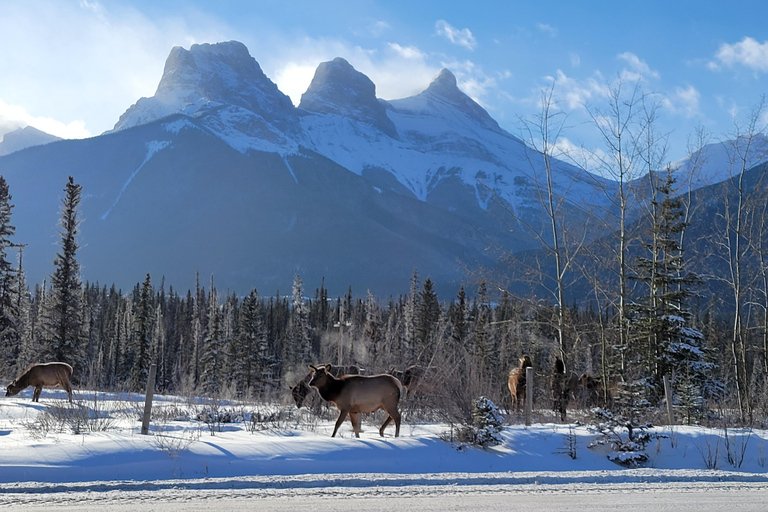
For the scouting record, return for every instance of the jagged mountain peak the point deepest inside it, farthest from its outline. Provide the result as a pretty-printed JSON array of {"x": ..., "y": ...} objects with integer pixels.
[
  {"x": 338, "y": 88},
  {"x": 210, "y": 76},
  {"x": 443, "y": 91}
]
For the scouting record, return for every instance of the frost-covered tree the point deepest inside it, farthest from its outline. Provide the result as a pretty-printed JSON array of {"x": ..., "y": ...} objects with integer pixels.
[
  {"x": 488, "y": 423},
  {"x": 298, "y": 347}
]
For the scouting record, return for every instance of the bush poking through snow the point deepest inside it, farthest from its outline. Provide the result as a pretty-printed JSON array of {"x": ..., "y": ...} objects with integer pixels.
[{"x": 626, "y": 438}]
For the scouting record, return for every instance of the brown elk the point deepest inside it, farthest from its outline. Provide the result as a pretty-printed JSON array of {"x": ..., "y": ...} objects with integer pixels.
[
  {"x": 516, "y": 382},
  {"x": 411, "y": 377},
  {"x": 355, "y": 394},
  {"x": 42, "y": 374},
  {"x": 300, "y": 391}
]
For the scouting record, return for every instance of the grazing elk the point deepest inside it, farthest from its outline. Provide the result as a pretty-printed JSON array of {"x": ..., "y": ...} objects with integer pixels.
[
  {"x": 356, "y": 394},
  {"x": 300, "y": 391},
  {"x": 42, "y": 374},
  {"x": 516, "y": 382}
]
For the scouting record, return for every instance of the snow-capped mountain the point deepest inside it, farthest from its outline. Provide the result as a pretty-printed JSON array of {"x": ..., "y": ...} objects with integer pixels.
[
  {"x": 420, "y": 141},
  {"x": 219, "y": 173},
  {"x": 23, "y": 138},
  {"x": 719, "y": 161}
]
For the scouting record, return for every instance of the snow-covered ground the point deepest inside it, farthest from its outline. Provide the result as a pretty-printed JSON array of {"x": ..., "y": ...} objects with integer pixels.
[{"x": 66, "y": 455}]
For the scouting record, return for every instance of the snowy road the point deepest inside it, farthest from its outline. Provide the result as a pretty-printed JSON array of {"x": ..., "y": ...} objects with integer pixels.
[{"x": 347, "y": 493}]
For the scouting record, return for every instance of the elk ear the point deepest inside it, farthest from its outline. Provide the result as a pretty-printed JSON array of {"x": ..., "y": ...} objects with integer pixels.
[
  {"x": 312, "y": 368},
  {"x": 328, "y": 368}
]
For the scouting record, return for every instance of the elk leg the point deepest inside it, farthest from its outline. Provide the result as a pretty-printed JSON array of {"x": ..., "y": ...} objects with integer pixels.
[
  {"x": 354, "y": 418},
  {"x": 342, "y": 416},
  {"x": 383, "y": 426},
  {"x": 36, "y": 393},
  {"x": 68, "y": 388}
]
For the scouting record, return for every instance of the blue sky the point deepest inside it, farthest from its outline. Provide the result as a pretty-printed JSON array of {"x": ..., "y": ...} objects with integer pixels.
[{"x": 71, "y": 67}]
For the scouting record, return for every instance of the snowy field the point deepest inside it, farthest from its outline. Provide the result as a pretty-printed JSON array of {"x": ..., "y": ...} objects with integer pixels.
[{"x": 93, "y": 454}]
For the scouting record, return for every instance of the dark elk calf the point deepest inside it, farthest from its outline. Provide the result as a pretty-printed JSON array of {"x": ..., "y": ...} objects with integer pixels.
[
  {"x": 42, "y": 374},
  {"x": 355, "y": 394}
]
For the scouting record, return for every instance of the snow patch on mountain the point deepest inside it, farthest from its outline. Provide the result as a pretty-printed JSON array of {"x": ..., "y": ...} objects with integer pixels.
[{"x": 153, "y": 147}]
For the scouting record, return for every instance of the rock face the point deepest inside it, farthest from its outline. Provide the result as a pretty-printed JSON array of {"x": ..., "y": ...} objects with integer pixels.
[
  {"x": 339, "y": 89},
  {"x": 216, "y": 79}
]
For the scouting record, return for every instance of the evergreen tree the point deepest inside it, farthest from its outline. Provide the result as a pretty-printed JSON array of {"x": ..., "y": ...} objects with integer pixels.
[
  {"x": 427, "y": 317},
  {"x": 298, "y": 348},
  {"x": 212, "y": 357},
  {"x": 664, "y": 344},
  {"x": 410, "y": 312},
  {"x": 244, "y": 351},
  {"x": 10, "y": 328},
  {"x": 63, "y": 322},
  {"x": 141, "y": 347}
]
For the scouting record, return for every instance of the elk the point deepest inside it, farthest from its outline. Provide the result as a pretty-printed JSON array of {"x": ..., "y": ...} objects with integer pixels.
[
  {"x": 355, "y": 394},
  {"x": 300, "y": 391},
  {"x": 411, "y": 377},
  {"x": 42, "y": 374},
  {"x": 516, "y": 382}
]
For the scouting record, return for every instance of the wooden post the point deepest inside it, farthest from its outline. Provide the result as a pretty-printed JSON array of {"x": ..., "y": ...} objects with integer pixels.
[
  {"x": 148, "y": 400},
  {"x": 528, "y": 395},
  {"x": 668, "y": 395}
]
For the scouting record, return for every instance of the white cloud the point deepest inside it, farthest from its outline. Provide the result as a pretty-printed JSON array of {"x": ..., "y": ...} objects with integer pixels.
[
  {"x": 547, "y": 29},
  {"x": 407, "y": 52},
  {"x": 575, "y": 59},
  {"x": 13, "y": 117},
  {"x": 378, "y": 28},
  {"x": 748, "y": 53},
  {"x": 637, "y": 70},
  {"x": 461, "y": 37},
  {"x": 577, "y": 93},
  {"x": 685, "y": 101}
]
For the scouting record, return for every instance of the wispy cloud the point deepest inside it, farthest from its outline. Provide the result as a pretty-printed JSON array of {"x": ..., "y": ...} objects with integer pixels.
[
  {"x": 547, "y": 29},
  {"x": 378, "y": 28},
  {"x": 14, "y": 116},
  {"x": 748, "y": 53},
  {"x": 461, "y": 37},
  {"x": 684, "y": 101},
  {"x": 575, "y": 93},
  {"x": 637, "y": 68}
]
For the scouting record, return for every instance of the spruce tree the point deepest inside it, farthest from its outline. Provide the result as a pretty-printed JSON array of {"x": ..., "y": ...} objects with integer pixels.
[
  {"x": 10, "y": 335},
  {"x": 664, "y": 343},
  {"x": 141, "y": 346},
  {"x": 63, "y": 322},
  {"x": 212, "y": 355}
]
